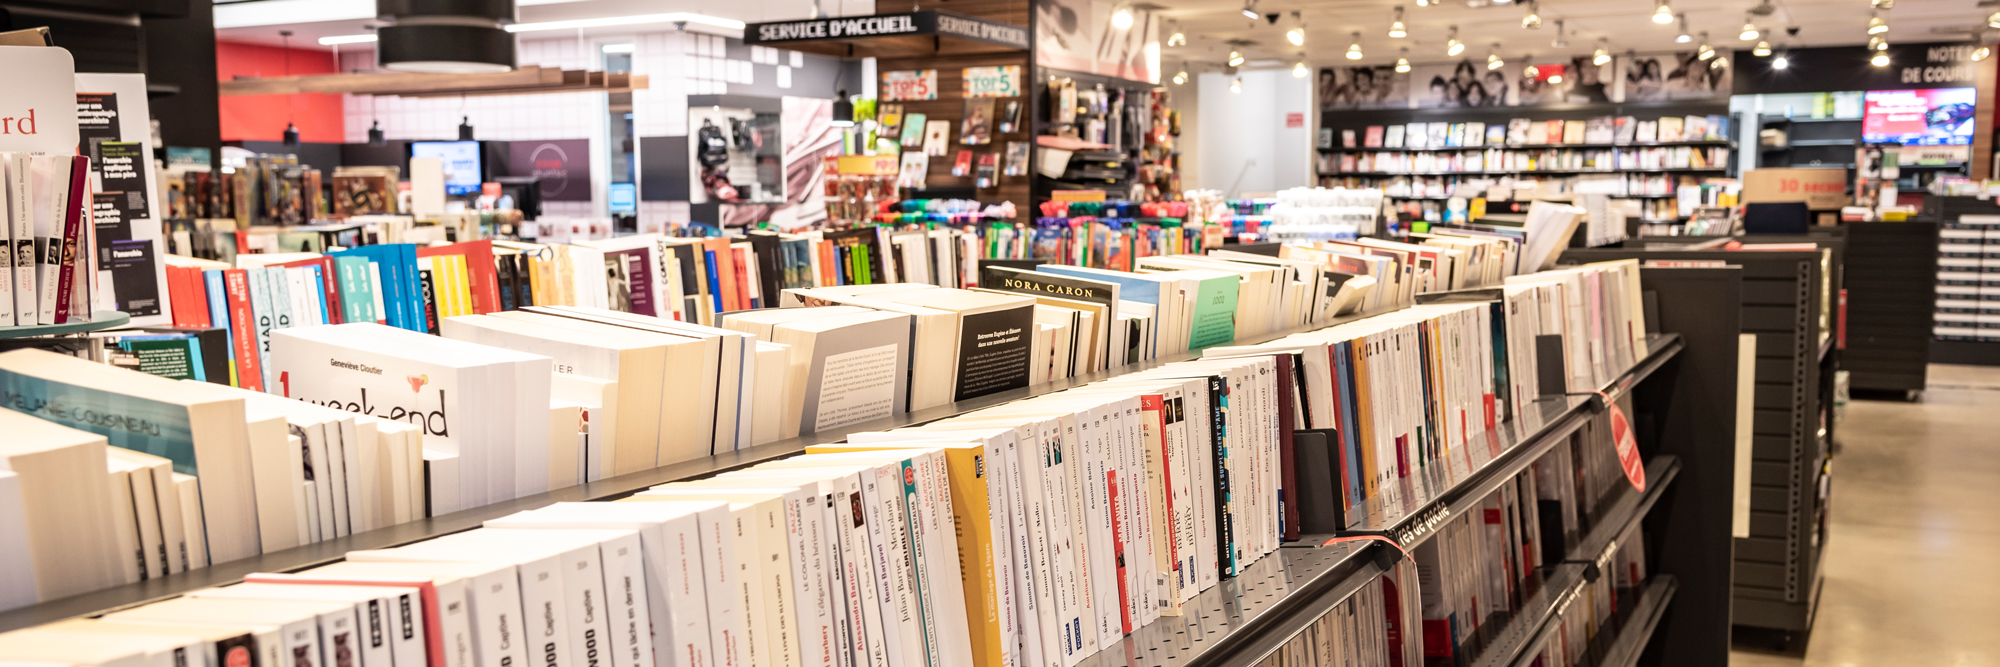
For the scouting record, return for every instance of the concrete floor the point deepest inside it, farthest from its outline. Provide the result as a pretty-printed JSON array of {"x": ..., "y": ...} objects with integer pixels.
[{"x": 1915, "y": 534}]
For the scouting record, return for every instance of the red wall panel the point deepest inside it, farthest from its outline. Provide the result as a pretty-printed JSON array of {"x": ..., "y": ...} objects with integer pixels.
[{"x": 320, "y": 117}]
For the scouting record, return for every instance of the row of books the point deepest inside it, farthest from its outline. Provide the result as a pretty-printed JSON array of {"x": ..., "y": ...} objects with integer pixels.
[
  {"x": 48, "y": 267},
  {"x": 1514, "y": 161},
  {"x": 1524, "y": 132},
  {"x": 1500, "y": 188}
]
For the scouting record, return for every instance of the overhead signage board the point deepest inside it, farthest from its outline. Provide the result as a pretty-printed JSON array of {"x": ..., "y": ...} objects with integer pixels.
[{"x": 886, "y": 25}]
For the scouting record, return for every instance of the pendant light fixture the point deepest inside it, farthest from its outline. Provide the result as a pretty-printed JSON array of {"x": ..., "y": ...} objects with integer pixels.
[
  {"x": 1178, "y": 38},
  {"x": 1781, "y": 62},
  {"x": 1533, "y": 19},
  {"x": 1602, "y": 56},
  {"x": 1704, "y": 52},
  {"x": 1560, "y": 41},
  {"x": 1354, "y": 50},
  {"x": 1749, "y": 29},
  {"x": 445, "y": 36},
  {"x": 1882, "y": 4},
  {"x": 375, "y": 135},
  {"x": 1881, "y": 59},
  {"x": 291, "y": 135},
  {"x": 1236, "y": 85},
  {"x": 1493, "y": 60},
  {"x": 1763, "y": 49},
  {"x": 1399, "y": 31},
  {"x": 1250, "y": 9},
  {"x": 1300, "y": 71},
  {"x": 843, "y": 110},
  {"x": 1297, "y": 35},
  {"x": 1122, "y": 19},
  {"x": 1235, "y": 58},
  {"x": 1981, "y": 53},
  {"x": 1181, "y": 77},
  {"x": 1453, "y": 47},
  {"x": 465, "y": 128},
  {"x": 1683, "y": 37},
  {"x": 1662, "y": 14},
  {"x": 1876, "y": 25},
  {"x": 1993, "y": 21},
  {"x": 1719, "y": 63},
  {"x": 1403, "y": 61},
  {"x": 1531, "y": 71}
]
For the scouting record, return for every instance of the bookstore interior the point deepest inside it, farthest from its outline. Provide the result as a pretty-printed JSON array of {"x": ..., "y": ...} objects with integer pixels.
[{"x": 991, "y": 333}]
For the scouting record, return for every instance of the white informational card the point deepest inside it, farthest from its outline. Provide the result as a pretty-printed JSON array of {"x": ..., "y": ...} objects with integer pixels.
[{"x": 114, "y": 128}]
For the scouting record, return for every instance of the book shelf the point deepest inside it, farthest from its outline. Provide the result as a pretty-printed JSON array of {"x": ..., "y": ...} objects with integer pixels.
[
  {"x": 1245, "y": 619},
  {"x": 100, "y": 320},
  {"x": 1785, "y": 304}
]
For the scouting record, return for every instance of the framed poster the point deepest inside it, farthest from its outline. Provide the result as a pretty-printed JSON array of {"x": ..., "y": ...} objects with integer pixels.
[{"x": 909, "y": 85}]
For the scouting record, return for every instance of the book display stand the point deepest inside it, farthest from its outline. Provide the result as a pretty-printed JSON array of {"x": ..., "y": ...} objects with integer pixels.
[{"x": 99, "y": 321}]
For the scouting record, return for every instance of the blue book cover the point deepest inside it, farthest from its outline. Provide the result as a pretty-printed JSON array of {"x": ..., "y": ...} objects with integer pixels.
[
  {"x": 319, "y": 287},
  {"x": 218, "y": 313},
  {"x": 407, "y": 257},
  {"x": 168, "y": 432},
  {"x": 390, "y": 287},
  {"x": 1349, "y": 437},
  {"x": 715, "y": 294}
]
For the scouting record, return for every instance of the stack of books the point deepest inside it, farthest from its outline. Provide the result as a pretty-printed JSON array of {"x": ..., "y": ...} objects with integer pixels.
[{"x": 48, "y": 272}]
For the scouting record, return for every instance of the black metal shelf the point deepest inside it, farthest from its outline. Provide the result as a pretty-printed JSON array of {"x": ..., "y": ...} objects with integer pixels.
[
  {"x": 1384, "y": 174},
  {"x": 1245, "y": 619},
  {"x": 1529, "y": 147},
  {"x": 1638, "y": 627},
  {"x": 1565, "y": 581}
]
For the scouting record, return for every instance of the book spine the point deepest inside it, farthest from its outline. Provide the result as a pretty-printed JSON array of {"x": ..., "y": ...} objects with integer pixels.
[
  {"x": 429, "y": 302},
  {"x": 259, "y": 293},
  {"x": 377, "y": 292},
  {"x": 776, "y": 574},
  {"x": 243, "y": 344},
  {"x": 627, "y": 603},
  {"x": 890, "y": 568},
  {"x": 329, "y": 291},
  {"x": 76, "y": 199},
  {"x": 20, "y": 205},
  {"x": 7, "y": 277},
  {"x": 586, "y": 607},
  {"x": 48, "y": 234}
]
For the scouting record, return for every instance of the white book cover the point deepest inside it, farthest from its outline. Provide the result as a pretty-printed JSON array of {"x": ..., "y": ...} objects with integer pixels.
[
  {"x": 50, "y": 189},
  {"x": 526, "y": 582},
  {"x": 17, "y": 565},
  {"x": 443, "y": 623},
  {"x": 777, "y": 641},
  {"x": 677, "y": 602},
  {"x": 20, "y": 211},
  {"x": 381, "y": 612},
  {"x": 6, "y": 246}
]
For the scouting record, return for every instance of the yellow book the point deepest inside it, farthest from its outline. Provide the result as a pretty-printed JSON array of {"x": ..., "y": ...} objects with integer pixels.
[
  {"x": 461, "y": 284},
  {"x": 1371, "y": 488},
  {"x": 971, "y": 512}
]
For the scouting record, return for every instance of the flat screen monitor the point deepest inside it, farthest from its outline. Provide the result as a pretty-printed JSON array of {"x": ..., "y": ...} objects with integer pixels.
[
  {"x": 1935, "y": 117},
  {"x": 461, "y": 163},
  {"x": 624, "y": 198}
]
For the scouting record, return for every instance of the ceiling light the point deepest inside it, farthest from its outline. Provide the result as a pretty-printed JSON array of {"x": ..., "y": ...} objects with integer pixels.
[
  {"x": 1398, "y": 30},
  {"x": 1533, "y": 19},
  {"x": 1555, "y": 78},
  {"x": 1297, "y": 35},
  {"x": 1423, "y": 3},
  {"x": 1531, "y": 71},
  {"x": 1452, "y": 46},
  {"x": 1236, "y": 85},
  {"x": 1881, "y": 59},
  {"x": 1403, "y": 62},
  {"x": 370, "y": 37},
  {"x": 1493, "y": 60},
  {"x": 1602, "y": 56},
  {"x": 1354, "y": 50},
  {"x": 1982, "y": 53},
  {"x": 1299, "y": 71},
  {"x": 1718, "y": 63},
  {"x": 1122, "y": 19},
  {"x": 1781, "y": 62},
  {"x": 1683, "y": 37},
  {"x": 1250, "y": 9},
  {"x": 627, "y": 47},
  {"x": 1878, "y": 44},
  {"x": 1559, "y": 42},
  {"x": 1235, "y": 58},
  {"x": 843, "y": 110},
  {"x": 1876, "y": 25},
  {"x": 1763, "y": 49},
  {"x": 1178, "y": 38},
  {"x": 673, "y": 17},
  {"x": 1662, "y": 14},
  {"x": 1181, "y": 77},
  {"x": 1705, "y": 51},
  {"x": 1749, "y": 30},
  {"x": 1883, "y": 4},
  {"x": 1991, "y": 21}
]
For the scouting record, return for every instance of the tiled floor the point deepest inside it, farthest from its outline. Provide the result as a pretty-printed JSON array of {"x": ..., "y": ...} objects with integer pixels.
[{"x": 1911, "y": 576}]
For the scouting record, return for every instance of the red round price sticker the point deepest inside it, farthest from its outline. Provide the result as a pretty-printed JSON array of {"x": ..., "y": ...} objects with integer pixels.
[{"x": 1628, "y": 446}]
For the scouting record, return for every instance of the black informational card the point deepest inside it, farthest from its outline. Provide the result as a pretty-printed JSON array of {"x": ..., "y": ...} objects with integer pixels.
[{"x": 993, "y": 351}]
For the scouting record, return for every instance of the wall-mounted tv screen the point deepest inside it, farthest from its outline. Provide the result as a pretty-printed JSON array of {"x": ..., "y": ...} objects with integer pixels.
[
  {"x": 461, "y": 163},
  {"x": 1935, "y": 117}
]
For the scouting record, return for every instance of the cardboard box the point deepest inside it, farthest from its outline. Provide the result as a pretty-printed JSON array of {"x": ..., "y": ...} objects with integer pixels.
[{"x": 1820, "y": 189}]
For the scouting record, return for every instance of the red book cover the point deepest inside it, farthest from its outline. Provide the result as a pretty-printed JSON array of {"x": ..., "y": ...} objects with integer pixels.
[
  {"x": 1154, "y": 411},
  {"x": 79, "y": 200},
  {"x": 327, "y": 280},
  {"x": 249, "y": 372},
  {"x": 1288, "y": 484},
  {"x": 484, "y": 279},
  {"x": 176, "y": 308},
  {"x": 742, "y": 257},
  {"x": 1118, "y": 550},
  {"x": 198, "y": 295}
]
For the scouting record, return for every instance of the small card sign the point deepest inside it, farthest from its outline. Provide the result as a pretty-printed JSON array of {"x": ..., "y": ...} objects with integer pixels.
[
  {"x": 1002, "y": 81},
  {"x": 909, "y": 85}
]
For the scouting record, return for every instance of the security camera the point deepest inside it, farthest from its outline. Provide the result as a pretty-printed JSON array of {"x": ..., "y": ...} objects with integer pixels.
[
  {"x": 1792, "y": 31},
  {"x": 1272, "y": 17},
  {"x": 680, "y": 26}
]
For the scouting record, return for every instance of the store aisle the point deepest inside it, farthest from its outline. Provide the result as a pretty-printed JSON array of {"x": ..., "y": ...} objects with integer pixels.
[{"x": 1916, "y": 528}]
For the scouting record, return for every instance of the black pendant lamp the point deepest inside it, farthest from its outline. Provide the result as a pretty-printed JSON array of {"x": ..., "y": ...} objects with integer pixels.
[
  {"x": 445, "y": 36},
  {"x": 291, "y": 130},
  {"x": 465, "y": 128},
  {"x": 375, "y": 135},
  {"x": 291, "y": 134},
  {"x": 843, "y": 111}
]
